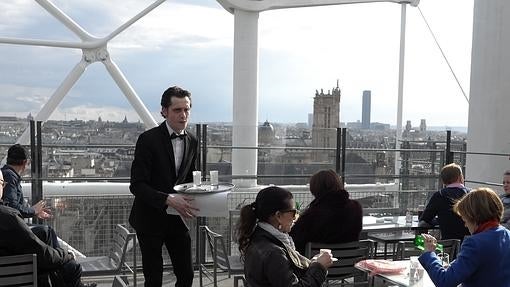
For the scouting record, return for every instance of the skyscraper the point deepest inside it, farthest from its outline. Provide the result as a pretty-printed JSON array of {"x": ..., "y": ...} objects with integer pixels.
[{"x": 365, "y": 112}]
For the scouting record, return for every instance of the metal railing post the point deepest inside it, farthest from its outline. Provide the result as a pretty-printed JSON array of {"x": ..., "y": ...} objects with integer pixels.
[
  {"x": 338, "y": 149},
  {"x": 344, "y": 147},
  {"x": 449, "y": 153},
  {"x": 36, "y": 165}
]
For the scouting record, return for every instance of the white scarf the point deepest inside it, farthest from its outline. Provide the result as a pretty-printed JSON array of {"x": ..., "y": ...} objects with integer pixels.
[{"x": 285, "y": 238}]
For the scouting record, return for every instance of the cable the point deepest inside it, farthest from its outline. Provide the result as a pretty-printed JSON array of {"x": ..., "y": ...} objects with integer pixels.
[{"x": 444, "y": 56}]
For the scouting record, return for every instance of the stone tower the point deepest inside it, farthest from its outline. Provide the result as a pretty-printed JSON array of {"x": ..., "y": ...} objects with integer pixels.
[{"x": 326, "y": 119}]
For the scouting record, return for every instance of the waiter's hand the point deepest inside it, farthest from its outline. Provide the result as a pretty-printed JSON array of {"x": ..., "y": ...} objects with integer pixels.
[{"x": 183, "y": 205}]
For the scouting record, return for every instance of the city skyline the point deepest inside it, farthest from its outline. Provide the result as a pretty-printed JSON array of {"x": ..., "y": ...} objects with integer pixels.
[{"x": 301, "y": 50}]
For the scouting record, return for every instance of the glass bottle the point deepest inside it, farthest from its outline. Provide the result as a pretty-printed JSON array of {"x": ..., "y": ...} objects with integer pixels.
[{"x": 419, "y": 242}]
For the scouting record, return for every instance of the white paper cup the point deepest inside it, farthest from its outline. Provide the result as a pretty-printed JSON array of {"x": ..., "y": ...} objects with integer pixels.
[
  {"x": 197, "y": 178},
  {"x": 325, "y": 250},
  {"x": 213, "y": 174}
]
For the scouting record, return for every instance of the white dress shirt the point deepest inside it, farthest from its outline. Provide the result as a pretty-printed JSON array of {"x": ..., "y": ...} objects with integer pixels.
[{"x": 178, "y": 147}]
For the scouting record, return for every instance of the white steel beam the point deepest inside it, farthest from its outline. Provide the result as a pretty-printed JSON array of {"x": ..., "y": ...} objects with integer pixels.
[
  {"x": 94, "y": 49},
  {"x": 264, "y": 5},
  {"x": 129, "y": 92},
  {"x": 59, "y": 94}
]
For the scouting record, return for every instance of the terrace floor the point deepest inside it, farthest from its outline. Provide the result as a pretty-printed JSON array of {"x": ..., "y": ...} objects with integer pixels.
[{"x": 168, "y": 280}]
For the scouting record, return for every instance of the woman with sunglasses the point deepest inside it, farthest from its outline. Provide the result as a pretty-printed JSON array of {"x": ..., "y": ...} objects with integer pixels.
[
  {"x": 341, "y": 218},
  {"x": 270, "y": 258},
  {"x": 505, "y": 198}
]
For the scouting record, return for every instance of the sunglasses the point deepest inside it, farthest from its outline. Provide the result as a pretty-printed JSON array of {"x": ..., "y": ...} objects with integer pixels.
[
  {"x": 293, "y": 211},
  {"x": 3, "y": 183}
]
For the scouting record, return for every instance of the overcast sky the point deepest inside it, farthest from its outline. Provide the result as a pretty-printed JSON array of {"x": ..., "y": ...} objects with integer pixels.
[{"x": 190, "y": 44}]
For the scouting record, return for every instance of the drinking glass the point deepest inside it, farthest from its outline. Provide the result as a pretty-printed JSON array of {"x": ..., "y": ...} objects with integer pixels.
[
  {"x": 213, "y": 174},
  {"x": 445, "y": 259},
  {"x": 197, "y": 178}
]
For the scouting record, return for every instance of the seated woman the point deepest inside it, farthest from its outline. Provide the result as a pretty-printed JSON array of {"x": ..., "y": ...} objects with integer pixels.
[
  {"x": 270, "y": 258},
  {"x": 484, "y": 257},
  {"x": 331, "y": 217}
]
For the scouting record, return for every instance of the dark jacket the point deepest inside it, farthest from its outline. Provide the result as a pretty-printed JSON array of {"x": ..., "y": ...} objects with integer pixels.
[
  {"x": 483, "y": 260},
  {"x": 153, "y": 177},
  {"x": 441, "y": 205},
  {"x": 17, "y": 238},
  {"x": 268, "y": 263},
  {"x": 13, "y": 194},
  {"x": 332, "y": 218}
]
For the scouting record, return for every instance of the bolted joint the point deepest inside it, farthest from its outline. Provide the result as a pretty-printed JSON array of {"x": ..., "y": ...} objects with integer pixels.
[{"x": 95, "y": 55}]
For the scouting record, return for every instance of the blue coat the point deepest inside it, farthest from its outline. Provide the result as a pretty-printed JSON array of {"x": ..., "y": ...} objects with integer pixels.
[{"x": 483, "y": 260}]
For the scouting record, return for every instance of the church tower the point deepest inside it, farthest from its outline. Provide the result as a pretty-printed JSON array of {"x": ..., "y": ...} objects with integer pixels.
[{"x": 326, "y": 118}]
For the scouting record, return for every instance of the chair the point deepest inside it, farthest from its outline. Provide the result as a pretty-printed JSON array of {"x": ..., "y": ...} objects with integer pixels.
[
  {"x": 120, "y": 281},
  {"x": 348, "y": 254},
  {"x": 18, "y": 270},
  {"x": 406, "y": 249},
  {"x": 115, "y": 262},
  {"x": 221, "y": 259}
]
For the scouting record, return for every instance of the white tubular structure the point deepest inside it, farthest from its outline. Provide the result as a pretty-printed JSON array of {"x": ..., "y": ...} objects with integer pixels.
[
  {"x": 94, "y": 49},
  {"x": 489, "y": 99},
  {"x": 245, "y": 103}
]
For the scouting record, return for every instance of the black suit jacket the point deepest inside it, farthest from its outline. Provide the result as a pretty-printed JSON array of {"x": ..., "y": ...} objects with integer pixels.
[
  {"x": 153, "y": 177},
  {"x": 17, "y": 238}
]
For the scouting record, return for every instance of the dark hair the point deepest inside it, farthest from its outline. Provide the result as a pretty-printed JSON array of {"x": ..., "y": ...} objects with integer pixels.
[
  {"x": 175, "y": 91},
  {"x": 507, "y": 172},
  {"x": 269, "y": 200},
  {"x": 16, "y": 155},
  {"x": 325, "y": 181},
  {"x": 450, "y": 173}
]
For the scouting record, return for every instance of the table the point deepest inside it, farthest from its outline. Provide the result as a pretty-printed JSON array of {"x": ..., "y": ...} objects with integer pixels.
[
  {"x": 402, "y": 279},
  {"x": 391, "y": 239},
  {"x": 392, "y": 227}
]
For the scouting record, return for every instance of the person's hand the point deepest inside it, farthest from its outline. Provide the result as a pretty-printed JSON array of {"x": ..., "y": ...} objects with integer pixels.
[
  {"x": 325, "y": 259},
  {"x": 183, "y": 205},
  {"x": 430, "y": 242},
  {"x": 41, "y": 211}
]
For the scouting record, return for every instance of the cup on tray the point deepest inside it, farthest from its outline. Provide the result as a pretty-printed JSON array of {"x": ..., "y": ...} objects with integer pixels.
[
  {"x": 213, "y": 175},
  {"x": 197, "y": 178}
]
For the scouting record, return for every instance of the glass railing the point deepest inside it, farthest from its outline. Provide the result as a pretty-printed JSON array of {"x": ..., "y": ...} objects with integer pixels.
[{"x": 367, "y": 163}]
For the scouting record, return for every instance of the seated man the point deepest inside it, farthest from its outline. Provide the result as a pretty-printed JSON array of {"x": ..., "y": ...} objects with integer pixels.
[
  {"x": 441, "y": 204},
  {"x": 17, "y": 238},
  {"x": 17, "y": 162}
]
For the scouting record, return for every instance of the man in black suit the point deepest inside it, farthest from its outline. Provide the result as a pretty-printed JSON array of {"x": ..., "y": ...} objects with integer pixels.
[{"x": 164, "y": 157}]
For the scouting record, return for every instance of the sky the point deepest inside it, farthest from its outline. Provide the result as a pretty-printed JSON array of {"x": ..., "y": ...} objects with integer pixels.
[{"x": 190, "y": 44}]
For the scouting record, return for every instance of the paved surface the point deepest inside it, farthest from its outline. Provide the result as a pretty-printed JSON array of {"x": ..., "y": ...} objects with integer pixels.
[{"x": 168, "y": 280}]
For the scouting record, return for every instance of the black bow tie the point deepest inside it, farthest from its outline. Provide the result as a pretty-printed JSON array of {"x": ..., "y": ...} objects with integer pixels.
[{"x": 174, "y": 136}]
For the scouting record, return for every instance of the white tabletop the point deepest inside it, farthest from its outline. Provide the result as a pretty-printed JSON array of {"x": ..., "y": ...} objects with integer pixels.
[
  {"x": 403, "y": 279},
  {"x": 388, "y": 223}
]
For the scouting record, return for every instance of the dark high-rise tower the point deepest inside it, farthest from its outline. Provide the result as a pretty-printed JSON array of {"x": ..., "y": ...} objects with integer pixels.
[{"x": 365, "y": 112}]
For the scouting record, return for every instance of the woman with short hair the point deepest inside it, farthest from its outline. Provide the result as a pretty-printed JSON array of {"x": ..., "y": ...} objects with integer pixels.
[{"x": 484, "y": 257}]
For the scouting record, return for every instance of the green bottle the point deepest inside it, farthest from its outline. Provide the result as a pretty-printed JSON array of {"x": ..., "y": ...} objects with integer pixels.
[{"x": 419, "y": 242}]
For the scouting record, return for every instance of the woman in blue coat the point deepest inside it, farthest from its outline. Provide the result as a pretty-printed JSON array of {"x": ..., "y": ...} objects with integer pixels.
[{"x": 484, "y": 257}]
